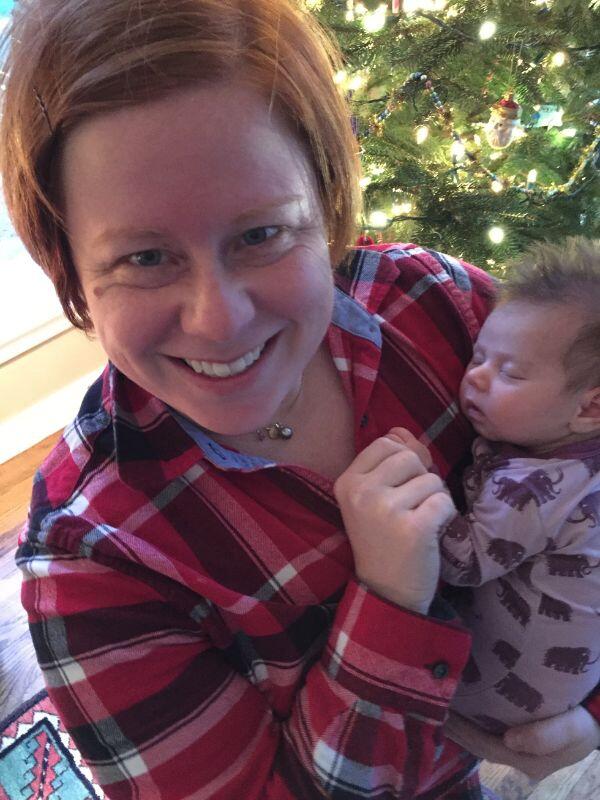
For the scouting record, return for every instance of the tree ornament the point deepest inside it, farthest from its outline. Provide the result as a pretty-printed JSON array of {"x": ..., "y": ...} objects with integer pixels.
[
  {"x": 364, "y": 241},
  {"x": 548, "y": 115},
  {"x": 503, "y": 122}
]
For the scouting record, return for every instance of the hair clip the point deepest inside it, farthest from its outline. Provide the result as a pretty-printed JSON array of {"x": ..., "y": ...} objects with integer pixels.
[{"x": 44, "y": 110}]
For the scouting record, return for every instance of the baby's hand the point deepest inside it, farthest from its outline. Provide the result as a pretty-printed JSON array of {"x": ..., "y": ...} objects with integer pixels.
[
  {"x": 406, "y": 438},
  {"x": 393, "y": 510}
]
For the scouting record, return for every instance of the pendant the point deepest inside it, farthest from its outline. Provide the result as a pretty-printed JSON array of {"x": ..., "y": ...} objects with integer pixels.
[{"x": 275, "y": 431}]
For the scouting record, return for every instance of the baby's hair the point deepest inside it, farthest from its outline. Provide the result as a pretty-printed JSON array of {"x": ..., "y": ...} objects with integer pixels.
[{"x": 565, "y": 274}]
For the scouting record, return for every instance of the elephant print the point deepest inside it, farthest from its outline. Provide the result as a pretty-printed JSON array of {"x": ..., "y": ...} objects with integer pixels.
[
  {"x": 569, "y": 659},
  {"x": 519, "y": 693},
  {"x": 592, "y": 463},
  {"x": 589, "y": 508},
  {"x": 483, "y": 465},
  {"x": 512, "y": 601},
  {"x": 555, "y": 609},
  {"x": 537, "y": 486},
  {"x": 569, "y": 566},
  {"x": 507, "y": 654},
  {"x": 505, "y": 552}
]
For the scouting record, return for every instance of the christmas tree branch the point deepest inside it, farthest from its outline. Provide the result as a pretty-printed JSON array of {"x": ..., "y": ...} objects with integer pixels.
[{"x": 440, "y": 23}]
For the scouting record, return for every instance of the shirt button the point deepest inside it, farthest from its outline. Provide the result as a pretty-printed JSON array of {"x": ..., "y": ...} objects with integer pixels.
[
  {"x": 440, "y": 670},
  {"x": 364, "y": 421}
]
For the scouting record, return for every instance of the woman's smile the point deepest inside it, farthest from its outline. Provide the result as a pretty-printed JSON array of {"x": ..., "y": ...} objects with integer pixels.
[{"x": 201, "y": 247}]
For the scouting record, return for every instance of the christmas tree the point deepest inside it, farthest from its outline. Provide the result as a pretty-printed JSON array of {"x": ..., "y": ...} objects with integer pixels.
[{"x": 478, "y": 121}]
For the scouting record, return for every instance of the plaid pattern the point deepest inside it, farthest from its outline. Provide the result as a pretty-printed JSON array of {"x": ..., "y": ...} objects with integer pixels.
[{"x": 194, "y": 610}]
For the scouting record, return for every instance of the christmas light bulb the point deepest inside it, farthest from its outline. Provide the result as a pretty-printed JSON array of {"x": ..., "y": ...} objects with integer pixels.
[
  {"x": 374, "y": 21},
  {"x": 496, "y": 234},
  {"x": 558, "y": 59},
  {"x": 360, "y": 9},
  {"x": 457, "y": 151},
  {"x": 531, "y": 177},
  {"x": 402, "y": 208},
  {"x": 411, "y": 6},
  {"x": 340, "y": 77},
  {"x": 421, "y": 133},
  {"x": 497, "y": 186},
  {"x": 487, "y": 30},
  {"x": 356, "y": 82},
  {"x": 378, "y": 219},
  {"x": 495, "y": 155},
  {"x": 364, "y": 181}
]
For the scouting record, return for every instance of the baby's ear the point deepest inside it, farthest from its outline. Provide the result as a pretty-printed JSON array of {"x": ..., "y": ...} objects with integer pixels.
[{"x": 587, "y": 419}]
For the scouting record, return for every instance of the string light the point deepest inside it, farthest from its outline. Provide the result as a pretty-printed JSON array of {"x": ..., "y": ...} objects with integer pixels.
[
  {"x": 378, "y": 219},
  {"x": 487, "y": 30},
  {"x": 401, "y": 209},
  {"x": 558, "y": 59},
  {"x": 421, "y": 134},
  {"x": 531, "y": 178},
  {"x": 374, "y": 21},
  {"x": 356, "y": 82},
  {"x": 497, "y": 186},
  {"x": 340, "y": 77},
  {"x": 458, "y": 150},
  {"x": 365, "y": 181},
  {"x": 496, "y": 234}
]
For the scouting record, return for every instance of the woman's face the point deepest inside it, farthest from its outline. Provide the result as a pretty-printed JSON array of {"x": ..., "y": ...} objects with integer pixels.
[{"x": 197, "y": 234}]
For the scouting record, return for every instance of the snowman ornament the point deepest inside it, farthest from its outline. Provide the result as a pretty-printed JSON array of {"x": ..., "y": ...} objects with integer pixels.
[{"x": 504, "y": 121}]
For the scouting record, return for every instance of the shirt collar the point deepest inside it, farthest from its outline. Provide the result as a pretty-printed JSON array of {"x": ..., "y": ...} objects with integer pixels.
[{"x": 350, "y": 316}]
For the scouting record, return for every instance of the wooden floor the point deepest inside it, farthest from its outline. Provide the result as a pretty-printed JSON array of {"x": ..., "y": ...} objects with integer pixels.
[{"x": 20, "y": 677}]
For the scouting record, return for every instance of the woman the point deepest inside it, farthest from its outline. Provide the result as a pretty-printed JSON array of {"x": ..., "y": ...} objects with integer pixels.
[{"x": 207, "y": 624}]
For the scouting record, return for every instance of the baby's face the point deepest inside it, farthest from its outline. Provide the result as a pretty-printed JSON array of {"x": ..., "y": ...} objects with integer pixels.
[{"x": 514, "y": 389}]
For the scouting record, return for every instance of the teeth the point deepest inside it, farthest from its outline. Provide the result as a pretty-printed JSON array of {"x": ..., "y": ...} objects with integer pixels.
[{"x": 216, "y": 370}]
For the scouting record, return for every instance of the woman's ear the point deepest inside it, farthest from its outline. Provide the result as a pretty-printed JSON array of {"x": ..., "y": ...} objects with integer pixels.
[{"x": 587, "y": 418}]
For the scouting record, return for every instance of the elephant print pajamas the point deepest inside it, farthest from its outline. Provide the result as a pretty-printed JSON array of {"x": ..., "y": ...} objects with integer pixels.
[{"x": 529, "y": 545}]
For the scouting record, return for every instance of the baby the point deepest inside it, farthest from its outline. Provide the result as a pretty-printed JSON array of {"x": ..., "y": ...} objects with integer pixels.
[{"x": 530, "y": 540}]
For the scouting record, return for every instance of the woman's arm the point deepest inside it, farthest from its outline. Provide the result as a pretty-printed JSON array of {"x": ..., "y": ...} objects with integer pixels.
[
  {"x": 159, "y": 711},
  {"x": 538, "y": 748}
]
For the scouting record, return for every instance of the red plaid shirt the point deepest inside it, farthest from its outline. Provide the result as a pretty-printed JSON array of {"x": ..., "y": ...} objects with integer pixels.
[{"x": 194, "y": 609}]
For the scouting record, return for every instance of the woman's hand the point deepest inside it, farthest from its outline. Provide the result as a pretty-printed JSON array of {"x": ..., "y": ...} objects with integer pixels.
[
  {"x": 536, "y": 748},
  {"x": 392, "y": 509}
]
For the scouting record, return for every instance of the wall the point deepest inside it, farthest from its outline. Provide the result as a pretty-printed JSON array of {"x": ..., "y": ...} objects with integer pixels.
[
  {"x": 42, "y": 389},
  {"x": 45, "y": 364}
]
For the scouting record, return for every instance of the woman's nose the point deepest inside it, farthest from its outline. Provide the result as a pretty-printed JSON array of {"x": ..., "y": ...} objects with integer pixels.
[{"x": 217, "y": 305}]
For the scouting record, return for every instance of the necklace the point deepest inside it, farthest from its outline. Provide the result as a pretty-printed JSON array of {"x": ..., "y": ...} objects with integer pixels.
[{"x": 275, "y": 431}]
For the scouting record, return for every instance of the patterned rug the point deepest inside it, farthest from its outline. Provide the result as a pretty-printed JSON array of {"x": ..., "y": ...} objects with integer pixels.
[{"x": 38, "y": 760}]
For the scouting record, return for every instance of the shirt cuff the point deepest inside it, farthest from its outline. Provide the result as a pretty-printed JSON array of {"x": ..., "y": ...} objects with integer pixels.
[
  {"x": 592, "y": 704},
  {"x": 393, "y": 657}
]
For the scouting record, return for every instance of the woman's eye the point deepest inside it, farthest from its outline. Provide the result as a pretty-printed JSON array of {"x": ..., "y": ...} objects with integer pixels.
[
  {"x": 259, "y": 235},
  {"x": 147, "y": 258}
]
